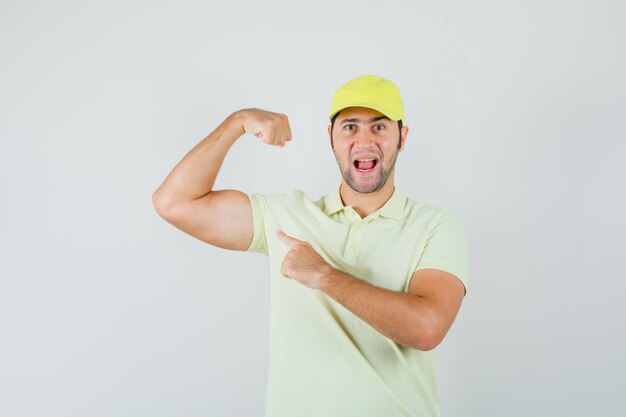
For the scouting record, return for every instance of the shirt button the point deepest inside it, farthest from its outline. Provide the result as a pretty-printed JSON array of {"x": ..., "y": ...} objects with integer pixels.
[{"x": 353, "y": 245}]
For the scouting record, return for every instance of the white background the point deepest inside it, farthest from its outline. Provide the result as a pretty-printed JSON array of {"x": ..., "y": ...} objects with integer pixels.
[{"x": 517, "y": 122}]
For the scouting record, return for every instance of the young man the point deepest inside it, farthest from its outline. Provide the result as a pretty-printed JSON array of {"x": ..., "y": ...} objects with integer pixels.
[{"x": 365, "y": 282}]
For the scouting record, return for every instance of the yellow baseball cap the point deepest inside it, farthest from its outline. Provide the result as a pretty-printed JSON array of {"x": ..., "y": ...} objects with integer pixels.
[{"x": 369, "y": 91}]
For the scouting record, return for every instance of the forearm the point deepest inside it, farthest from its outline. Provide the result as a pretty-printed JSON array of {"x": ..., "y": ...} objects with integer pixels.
[
  {"x": 194, "y": 176},
  {"x": 402, "y": 317}
]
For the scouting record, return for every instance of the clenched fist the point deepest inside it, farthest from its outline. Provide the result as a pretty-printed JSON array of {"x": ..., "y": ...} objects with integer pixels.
[{"x": 272, "y": 128}]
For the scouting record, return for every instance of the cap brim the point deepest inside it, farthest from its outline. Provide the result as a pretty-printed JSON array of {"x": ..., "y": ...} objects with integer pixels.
[{"x": 391, "y": 115}]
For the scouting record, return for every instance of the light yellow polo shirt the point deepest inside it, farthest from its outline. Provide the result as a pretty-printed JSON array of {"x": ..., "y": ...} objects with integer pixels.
[{"x": 324, "y": 360}]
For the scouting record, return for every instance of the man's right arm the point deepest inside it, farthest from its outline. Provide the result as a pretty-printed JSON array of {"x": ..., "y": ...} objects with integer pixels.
[{"x": 186, "y": 198}]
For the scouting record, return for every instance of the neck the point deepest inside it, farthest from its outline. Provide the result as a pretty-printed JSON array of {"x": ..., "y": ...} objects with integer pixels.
[{"x": 366, "y": 203}]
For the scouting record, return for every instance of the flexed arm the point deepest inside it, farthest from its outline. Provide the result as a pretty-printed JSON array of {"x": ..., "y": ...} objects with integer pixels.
[{"x": 186, "y": 198}]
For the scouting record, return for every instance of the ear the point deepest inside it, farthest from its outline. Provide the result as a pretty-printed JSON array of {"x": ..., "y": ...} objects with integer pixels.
[
  {"x": 403, "y": 134},
  {"x": 330, "y": 137}
]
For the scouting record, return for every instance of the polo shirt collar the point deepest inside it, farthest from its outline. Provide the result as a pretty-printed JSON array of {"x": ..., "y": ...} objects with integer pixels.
[{"x": 393, "y": 208}]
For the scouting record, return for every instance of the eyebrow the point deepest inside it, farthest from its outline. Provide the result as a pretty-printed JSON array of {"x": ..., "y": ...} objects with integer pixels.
[{"x": 372, "y": 120}]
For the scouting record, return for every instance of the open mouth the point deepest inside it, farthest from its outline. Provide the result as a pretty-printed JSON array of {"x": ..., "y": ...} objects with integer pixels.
[{"x": 365, "y": 165}]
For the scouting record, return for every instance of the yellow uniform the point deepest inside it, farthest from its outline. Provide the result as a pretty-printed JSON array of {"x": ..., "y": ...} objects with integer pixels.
[{"x": 324, "y": 360}]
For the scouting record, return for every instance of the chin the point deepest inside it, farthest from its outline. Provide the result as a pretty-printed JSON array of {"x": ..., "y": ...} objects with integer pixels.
[{"x": 364, "y": 188}]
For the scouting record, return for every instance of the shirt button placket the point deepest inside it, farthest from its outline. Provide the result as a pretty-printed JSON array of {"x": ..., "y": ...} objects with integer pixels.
[
  {"x": 354, "y": 239},
  {"x": 353, "y": 235}
]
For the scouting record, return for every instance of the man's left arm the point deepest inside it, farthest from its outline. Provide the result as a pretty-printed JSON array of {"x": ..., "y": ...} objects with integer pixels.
[{"x": 419, "y": 318}]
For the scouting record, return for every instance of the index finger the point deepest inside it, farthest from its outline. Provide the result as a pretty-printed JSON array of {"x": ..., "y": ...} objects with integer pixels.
[{"x": 286, "y": 238}]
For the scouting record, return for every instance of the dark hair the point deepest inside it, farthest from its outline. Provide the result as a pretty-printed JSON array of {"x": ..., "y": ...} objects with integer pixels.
[{"x": 332, "y": 125}]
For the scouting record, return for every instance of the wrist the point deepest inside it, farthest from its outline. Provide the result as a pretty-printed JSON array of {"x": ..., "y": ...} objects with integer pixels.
[
  {"x": 326, "y": 277},
  {"x": 234, "y": 123}
]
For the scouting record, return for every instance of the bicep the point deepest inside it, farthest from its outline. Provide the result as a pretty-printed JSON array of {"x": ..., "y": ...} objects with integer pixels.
[
  {"x": 221, "y": 218},
  {"x": 442, "y": 293}
]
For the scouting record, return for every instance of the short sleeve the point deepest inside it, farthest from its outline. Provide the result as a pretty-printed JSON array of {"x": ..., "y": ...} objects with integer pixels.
[
  {"x": 446, "y": 248},
  {"x": 259, "y": 214}
]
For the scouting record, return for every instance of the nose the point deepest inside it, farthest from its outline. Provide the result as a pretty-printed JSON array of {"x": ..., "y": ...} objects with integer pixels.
[{"x": 364, "y": 139}]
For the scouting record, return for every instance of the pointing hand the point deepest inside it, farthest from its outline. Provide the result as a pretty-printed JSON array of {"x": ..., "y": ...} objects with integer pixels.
[{"x": 302, "y": 263}]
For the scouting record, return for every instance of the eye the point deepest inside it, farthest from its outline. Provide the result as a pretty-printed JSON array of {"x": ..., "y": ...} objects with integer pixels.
[
  {"x": 380, "y": 127},
  {"x": 349, "y": 126}
]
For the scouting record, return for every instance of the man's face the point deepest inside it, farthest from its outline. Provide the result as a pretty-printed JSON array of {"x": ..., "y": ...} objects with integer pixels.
[{"x": 366, "y": 145}]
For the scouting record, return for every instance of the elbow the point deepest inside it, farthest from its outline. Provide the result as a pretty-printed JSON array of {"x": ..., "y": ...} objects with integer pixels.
[
  {"x": 427, "y": 343},
  {"x": 161, "y": 203},
  {"x": 428, "y": 337},
  {"x": 427, "y": 340}
]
